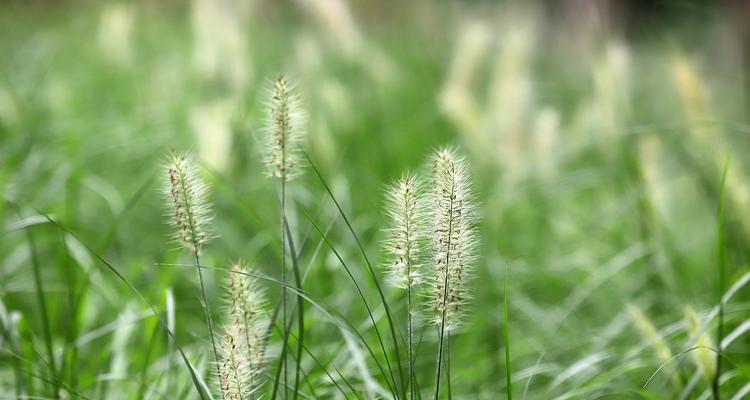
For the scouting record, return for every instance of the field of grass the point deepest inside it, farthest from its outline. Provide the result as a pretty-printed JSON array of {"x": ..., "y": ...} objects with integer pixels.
[{"x": 608, "y": 162}]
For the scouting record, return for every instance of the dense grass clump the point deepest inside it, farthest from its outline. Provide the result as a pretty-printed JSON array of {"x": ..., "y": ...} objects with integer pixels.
[{"x": 469, "y": 200}]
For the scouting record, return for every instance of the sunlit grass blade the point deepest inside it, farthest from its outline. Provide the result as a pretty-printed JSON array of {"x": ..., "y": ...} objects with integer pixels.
[{"x": 371, "y": 270}]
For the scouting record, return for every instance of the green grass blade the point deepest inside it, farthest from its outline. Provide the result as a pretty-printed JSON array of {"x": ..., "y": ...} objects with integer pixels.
[
  {"x": 722, "y": 266},
  {"x": 199, "y": 386},
  {"x": 42, "y": 299},
  {"x": 506, "y": 334},
  {"x": 325, "y": 369},
  {"x": 300, "y": 306},
  {"x": 7, "y": 330},
  {"x": 147, "y": 360},
  {"x": 132, "y": 201},
  {"x": 361, "y": 295},
  {"x": 369, "y": 267}
]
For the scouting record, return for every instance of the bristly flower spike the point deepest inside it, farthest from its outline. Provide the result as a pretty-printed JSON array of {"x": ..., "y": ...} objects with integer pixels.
[
  {"x": 404, "y": 205},
  {"x": 453, "y": 236},
  {"x": 454, "y": 245},
  {"x": 404, "y": 208},
  {"x": 232, "y": 367},
  {"x": 242, "y": 350},
  {"x": 187, "y": 198},
  {"x": 285, "y": 130}
]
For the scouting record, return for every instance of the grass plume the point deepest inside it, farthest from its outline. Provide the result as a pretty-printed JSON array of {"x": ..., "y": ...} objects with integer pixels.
[
  {"x": 649, "y": 332},
  {"x": 284, "y": 131},
  {"x": 404, "y": 244},
  {"x": 703, "y": 355},
  {"x": 187, "y": 199},
  {"x": 187, "y": 195},
  {"x": 453, "y": 242},
  {"x": 241, "y": 350},
  {"x": 404, "y": 208}
]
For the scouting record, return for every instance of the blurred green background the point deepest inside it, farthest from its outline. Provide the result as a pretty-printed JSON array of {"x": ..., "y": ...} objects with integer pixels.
[{"x": 596, "y": 131}]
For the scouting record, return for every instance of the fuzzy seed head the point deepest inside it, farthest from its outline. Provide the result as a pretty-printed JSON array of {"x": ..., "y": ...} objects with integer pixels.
[
  {"x": 284, "y": 131},
  {"x": 241, "y": 350},
  {"x": 453, "y": 239},
  {"x": 649, "y": 332},
  {"x": 232, "y": 368},
  {"x": 404, "y": 208},
  {"x": 186, "y": 194},
  {"x": 703, "y": 357}
]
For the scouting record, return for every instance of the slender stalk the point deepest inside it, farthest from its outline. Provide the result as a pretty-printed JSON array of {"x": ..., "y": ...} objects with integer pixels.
[
  {"x": 286, "y": 126},
  {"x": 283, "y": 270},
  {"x": 207, "y": 310},
  {"x": 285, "y": 327},
  {"x": 507, "y": 337},
  {"x": 721, "y": 259},
  {"x": 445, "y": 291},
  {"x": 195, "y": 240},
  {"x": 300, "y": 307},
  {"x": 454, "y": 248},
  {"x": 410, "y": 334},
  {"x": 282, "y": 356},
  {"x": 410, "y": 282},
  {"x": 403, "y": 207},
  {"x": 448, "y": 365}
]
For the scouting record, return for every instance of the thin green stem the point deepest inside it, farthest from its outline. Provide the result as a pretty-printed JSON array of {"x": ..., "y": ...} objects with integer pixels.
[
  {"x": 448, "y": 365},
  {"x": 507, "y": 337},
  {"x": 300, "y": 308},
  {"x": 721, "y": 260},
  {"x": 283, "y": 277},
  {"x": 409, "y": 284},
  {"x": 207, "y": 312},
  {"x": 195, "y": 241},
  {"x": 445, "y": 289},
  {"x": 410, "y": 334},
  {"x": 282, "y": 356}
]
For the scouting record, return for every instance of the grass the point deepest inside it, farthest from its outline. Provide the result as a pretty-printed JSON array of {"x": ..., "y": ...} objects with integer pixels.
[
  {"x": 506, "y": 336},
  {"x": 606, "y": 202},
  {"x": 721, "y": 264}
]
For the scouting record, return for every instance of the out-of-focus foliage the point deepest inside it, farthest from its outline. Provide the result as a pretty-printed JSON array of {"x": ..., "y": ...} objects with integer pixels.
[{"x": 596, "y": 134}]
